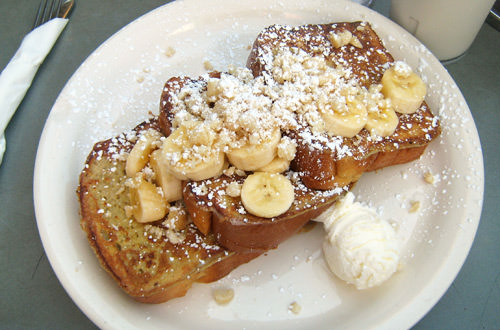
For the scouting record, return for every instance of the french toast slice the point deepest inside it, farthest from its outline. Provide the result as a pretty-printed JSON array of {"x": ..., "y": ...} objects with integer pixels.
[
  {"x": 326, "y": 162},
  {"x": 145, "y": 263}
]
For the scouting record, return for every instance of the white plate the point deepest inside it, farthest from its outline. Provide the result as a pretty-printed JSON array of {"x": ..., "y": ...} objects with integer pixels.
[{"x": 121, "y": 81}]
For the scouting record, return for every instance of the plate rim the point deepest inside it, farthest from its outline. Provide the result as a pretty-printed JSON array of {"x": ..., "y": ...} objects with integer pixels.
[{"x": 435, "y": 290}]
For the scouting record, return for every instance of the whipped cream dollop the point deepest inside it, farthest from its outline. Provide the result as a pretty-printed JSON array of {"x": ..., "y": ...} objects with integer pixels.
[{"x": 360, "y": 248}]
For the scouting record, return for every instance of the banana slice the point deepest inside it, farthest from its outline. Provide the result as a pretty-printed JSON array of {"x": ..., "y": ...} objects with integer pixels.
[
  {"x": 147, "y": 202},
  {"x": 139, "y": 155},
  {"x": 403, "y": 87},
  {"x": 190, "y": 153},
  {"x": 170, "y": 185},
  {"x": 267, "y": 195},
  {"x": 277, "y": 165},
  {"x": 383, "y": 122},
  {"x": 347, "y": 122},
  {"x": 251, "y": 157}
]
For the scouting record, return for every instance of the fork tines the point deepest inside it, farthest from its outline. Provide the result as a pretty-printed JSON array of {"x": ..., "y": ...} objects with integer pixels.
[{"x": 47, "y": 11}]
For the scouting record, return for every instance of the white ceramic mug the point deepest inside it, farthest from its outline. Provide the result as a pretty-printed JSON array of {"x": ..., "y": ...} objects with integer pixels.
[{"x": 446, "y": 27}]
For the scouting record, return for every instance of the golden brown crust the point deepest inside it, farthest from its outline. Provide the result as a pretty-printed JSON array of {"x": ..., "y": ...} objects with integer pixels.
[
  {"x": 151, "y": 269},
  {"x": 171, "y": 88}
]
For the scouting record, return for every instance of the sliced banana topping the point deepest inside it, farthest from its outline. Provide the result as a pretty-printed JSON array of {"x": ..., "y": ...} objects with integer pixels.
[
  {"x": 287, "y": 148},
  {"x": 170, "y": 185},
  {"x": 267, "y": 195},
  {"x": 277, "y": 165},
  {"x": 382, "y": 122},
  {"x": 190, "y": 152},
  {"x": 403, "y": 87},
  {"x": 139, "y": 155},
  {"x": 147, "y": 202},
  {"x": 346, "y": 122},
  {"x": 251, "y": 157}
]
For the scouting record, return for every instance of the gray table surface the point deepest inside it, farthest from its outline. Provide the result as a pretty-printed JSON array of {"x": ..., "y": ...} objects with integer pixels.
[{"x": 30, "y": 294}]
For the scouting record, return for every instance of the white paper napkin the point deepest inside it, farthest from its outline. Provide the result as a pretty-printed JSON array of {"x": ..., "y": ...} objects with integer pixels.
[{"x": 16, "y": 78}]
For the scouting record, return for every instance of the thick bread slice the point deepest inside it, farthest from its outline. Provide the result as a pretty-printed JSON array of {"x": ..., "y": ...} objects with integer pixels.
[
  {"x": 325, "y": 162},
  {"x": 146, "y": 265}
]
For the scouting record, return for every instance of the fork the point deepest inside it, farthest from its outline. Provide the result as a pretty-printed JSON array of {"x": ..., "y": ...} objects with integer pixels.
[{"x": 47, "y": 11}]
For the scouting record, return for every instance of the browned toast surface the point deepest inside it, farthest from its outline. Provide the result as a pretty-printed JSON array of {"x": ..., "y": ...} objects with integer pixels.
[
  {"x": 326, "y": 162},
  {"x": 144, "y": 262}
]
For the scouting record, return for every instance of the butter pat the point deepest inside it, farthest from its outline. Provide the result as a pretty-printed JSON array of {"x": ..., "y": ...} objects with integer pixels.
[{"x": 360, "y": 248}]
